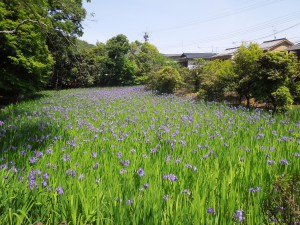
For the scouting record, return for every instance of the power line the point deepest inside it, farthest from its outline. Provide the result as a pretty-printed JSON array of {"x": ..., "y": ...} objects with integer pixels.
[
  {"x": 278, "y": 32},
  {"x": 220, "y": 16},
  {"x": 276, "y": 21}
]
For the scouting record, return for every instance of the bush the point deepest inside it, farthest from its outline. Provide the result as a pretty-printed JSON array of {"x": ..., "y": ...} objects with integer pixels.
[
  {"x": 282, "y": 99},
  {"x": 166, "y": 80},
  {"x": 282, "y": 203}
]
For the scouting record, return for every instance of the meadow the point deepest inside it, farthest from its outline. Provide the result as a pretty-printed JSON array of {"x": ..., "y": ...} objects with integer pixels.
[{"x": 126, "y": 156}]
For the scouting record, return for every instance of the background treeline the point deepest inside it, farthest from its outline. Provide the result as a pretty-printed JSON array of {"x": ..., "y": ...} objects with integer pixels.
[
  {"x": 116, "y": 62},
  {"x": 40, "y": 49},
  {"x": 271, "y": 79}
]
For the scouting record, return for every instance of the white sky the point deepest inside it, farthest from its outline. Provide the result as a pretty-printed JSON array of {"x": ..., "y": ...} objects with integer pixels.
[{"x": 177, "y": 26}]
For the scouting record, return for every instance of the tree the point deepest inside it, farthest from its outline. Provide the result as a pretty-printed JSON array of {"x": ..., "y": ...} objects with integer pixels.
[
  {"x": 25, "y": 61},
  {"x": 245, "y": 65},
  {"x": 215, "y": 79},
  {"x": 166, "y": 80},
  {"x": 30, "y": 34},
  {"x": 276, "y": 71},
  {"x": 147, "y": 58},
  {"x": 119, "y": 70}
]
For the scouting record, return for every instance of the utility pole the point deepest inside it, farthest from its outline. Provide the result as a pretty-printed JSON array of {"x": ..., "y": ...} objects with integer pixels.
[
  {"x": 146, "y": 36},
  {"x": 274, "y": 31}
]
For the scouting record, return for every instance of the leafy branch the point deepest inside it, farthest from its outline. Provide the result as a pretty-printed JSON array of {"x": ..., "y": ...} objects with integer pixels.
[{"x": 14, "y": 31}]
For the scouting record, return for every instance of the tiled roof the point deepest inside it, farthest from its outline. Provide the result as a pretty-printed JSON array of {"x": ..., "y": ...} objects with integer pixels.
[
  {"x": 266, "y": 45},
  {"x": 197, "y": 55},
  {"x": 227, "y": 52},
  {"x": 294, "y": 47}
]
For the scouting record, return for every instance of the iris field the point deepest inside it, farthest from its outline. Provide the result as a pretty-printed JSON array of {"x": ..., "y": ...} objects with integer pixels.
[{"x": 126, "y": 156}]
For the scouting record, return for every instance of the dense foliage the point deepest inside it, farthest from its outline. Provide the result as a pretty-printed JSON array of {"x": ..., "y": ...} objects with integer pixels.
[
  {"x": 25, "y": 60},
  {"x": 270, "y": 78},
  {"x": 34, "y": 40},
  {"x": 116, "y": 62},
  {"x": 165, "y": 81}
]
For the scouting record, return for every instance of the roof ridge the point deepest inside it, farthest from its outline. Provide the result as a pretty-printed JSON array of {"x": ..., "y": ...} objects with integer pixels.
[{"x": 279, "y": 39}]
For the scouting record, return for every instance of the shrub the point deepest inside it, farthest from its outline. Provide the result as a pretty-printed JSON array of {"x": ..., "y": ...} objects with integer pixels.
[
  {"x": 166, "y": 80},
  {"x": 282, "y": 99},
  {"x": 282, "y": 203}
]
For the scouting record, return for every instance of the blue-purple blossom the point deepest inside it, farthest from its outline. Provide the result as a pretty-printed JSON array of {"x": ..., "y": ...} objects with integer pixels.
[
  {"x": 33, "y": 184},
  {"x": 66, "y": 157},
  {"x": 122, "y": 171},
  {"x": 284, "y": 162},
  {"x": 210, "y": 210},
  {"x": 170, "y": 177},
  {"x": 238, "y": 214},
  {"x": 71, "y": 173},
  {"x": 23, "y": 152},
  {"x": 44, "y": 183},
  {"x": 59, "y": 190},
  {"x": 119, "y": 155},
  {"x": 39, "y": 154},
  {"x": 178, "y": 160},
  {"x": 140, "y": 172},
  {"x": 186, "y": 191},
  {"x": 126, "y": 163},
  {"x": 96, "y": 165},
  {"x": 46, "y": 176},
  {"x": 168, "y": 158},
  {"x": 32, "y": 160},
  {"x": 81, "y": 176},
  {"x": 257, "y": 189},
  {"x": 49, "y": 151},
  {"x": 166, "y": 197},
  {"x": 129, "y": 201}
]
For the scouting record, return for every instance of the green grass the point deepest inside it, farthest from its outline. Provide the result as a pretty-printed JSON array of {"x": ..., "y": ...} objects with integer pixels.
[{"x": 216, "y": 153}]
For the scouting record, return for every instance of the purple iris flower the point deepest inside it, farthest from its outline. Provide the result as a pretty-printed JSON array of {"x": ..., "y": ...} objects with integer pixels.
[
  {"x": 210, "y": 210},
  {"x": 140, "y": 172},
  {"x": 59, "y": 190}
]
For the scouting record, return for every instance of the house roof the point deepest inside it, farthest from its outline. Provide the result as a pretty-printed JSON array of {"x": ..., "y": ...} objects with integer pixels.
[
  {"x": 197, "y": 55},
  {"x": 267, "y": 45},
  {"x": 294, "y": 47},
  {"x": 173, "y": 56},
  {"x": 227, "y": 52}
]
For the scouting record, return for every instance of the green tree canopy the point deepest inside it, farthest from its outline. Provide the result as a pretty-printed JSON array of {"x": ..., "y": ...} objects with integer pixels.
[
  {"x": 245, "y": 65},
  {"x": 276, "y": 71},
  {"x": 31, "y": 34}
]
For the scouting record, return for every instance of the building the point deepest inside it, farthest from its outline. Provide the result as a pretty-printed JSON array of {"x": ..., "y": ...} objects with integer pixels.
[
  {"x": 189, "y": 59},
  {"x": 226, "y": 54},
  {"x": 295, "y": 49},
  {"x": 276, "y": 45},
  {"x": 272, "y": 45},
  {"x": 175, "y": 57}
]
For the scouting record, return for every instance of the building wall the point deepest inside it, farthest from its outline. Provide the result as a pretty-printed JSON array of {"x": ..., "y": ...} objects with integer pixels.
[
  {"x": 280, "y": 47},
  {"x": 298, "y": 55}
]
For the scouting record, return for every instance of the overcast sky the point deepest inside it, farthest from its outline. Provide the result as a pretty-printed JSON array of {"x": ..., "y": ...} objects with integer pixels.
[{"x": 177, "y": 26}]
